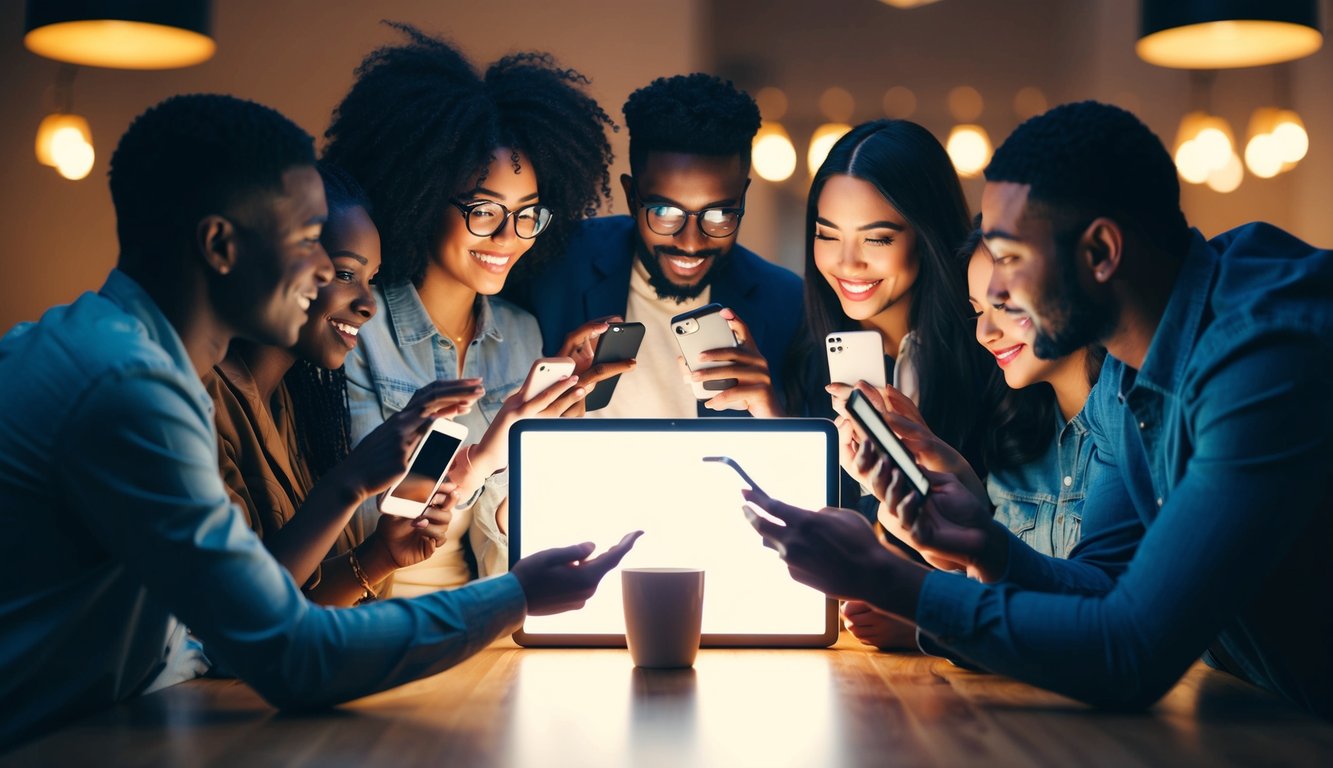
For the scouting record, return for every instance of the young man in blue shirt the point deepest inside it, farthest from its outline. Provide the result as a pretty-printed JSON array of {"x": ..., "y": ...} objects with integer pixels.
[
  {"x": 115, "y": 517},
  {"x": 1213, "y": 429},
  {"x": 689, "y": 154}
]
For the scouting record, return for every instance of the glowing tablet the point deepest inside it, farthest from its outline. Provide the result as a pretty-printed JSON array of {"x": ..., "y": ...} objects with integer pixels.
[{"x": 574, "y": 480}]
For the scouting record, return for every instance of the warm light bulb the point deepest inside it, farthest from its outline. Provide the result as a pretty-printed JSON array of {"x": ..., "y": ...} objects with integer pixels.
[
  {"x": 65, "y": 143},
  {"x": 53, "y": 124},
  {"x": 1263, "y": 156},
  {"x": 1191, "y": 164},
  {"x": 969, "y": 148},
  {"x": 74, "y": 156},
  {"x": 1228, "y": 177},
  {"x": 1214, "y": 146},
  {"x": 823, "y": 139},
  {"x": 772, "y": 154},
  {"x": 1291, "y": 137}
]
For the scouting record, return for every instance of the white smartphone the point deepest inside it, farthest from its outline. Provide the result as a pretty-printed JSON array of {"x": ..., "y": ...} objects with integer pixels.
[
  {"x": 545, "y": 372},
  {"x": 430, "y": 460},
  {"x": 856, "y": 356},
  {"x": 699, "y": 331}
]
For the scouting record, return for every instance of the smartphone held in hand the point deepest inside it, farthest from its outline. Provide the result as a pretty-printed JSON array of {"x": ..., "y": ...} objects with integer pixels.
[
  {"x": 699, "y": 331},
  {"x": 619, "y": 343},
  {"x": 425, "y": 470},
  {"x": 874, "y": 426},
  {"x": 856, "y": 356}
]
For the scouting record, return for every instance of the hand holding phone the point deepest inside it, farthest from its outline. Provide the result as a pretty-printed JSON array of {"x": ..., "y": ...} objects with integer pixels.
[
  {"x": 425, "y": 470},
  {"x": 699, "y": 331},
  {"x": 619, "y": 343},
  {"x": 544, "y": 374},
  {"x": 873, "y": 425}
]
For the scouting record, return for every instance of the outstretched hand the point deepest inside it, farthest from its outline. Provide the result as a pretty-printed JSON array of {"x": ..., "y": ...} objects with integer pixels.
[
  {"x": 837, "y": 552},
  {"x": 563, "y": 579}
]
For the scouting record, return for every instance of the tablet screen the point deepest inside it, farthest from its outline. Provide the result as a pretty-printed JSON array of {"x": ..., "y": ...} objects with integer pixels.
[{"x": 574, "y": 480}]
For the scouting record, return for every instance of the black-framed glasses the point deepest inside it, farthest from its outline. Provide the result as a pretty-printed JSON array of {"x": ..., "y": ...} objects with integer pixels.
[
  {"x": 668, "y": 220},
  {"x": 485, "y": 218}
]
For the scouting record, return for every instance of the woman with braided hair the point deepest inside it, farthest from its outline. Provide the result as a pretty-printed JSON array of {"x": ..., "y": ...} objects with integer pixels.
[
  {"x": 471, "y": 176},
  {"x": 282, "y": 431}
]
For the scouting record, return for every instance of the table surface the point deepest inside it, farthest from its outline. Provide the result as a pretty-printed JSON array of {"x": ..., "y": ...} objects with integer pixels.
[{"x": 511, "y": 706}]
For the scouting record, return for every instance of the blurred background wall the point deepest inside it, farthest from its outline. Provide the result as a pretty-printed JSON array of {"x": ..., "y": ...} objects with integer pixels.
[{"x": 298, "y": 56}]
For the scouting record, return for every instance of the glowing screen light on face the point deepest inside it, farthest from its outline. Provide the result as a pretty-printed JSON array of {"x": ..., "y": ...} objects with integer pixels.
[{"x": 574, "y": 480}]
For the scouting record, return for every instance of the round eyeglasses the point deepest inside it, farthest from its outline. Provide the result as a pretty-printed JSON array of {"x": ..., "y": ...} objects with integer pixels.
[
  {"x": 668, "y": 220},
  {"x": 485, "y": 218}
]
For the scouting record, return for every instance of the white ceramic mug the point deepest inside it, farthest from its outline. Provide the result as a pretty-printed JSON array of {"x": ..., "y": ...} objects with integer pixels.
[{"x": 664, "y": 610}]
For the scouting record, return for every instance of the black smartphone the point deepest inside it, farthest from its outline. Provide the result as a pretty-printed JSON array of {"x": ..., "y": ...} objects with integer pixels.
[
  {"x": 730, "y": 462},
  {"x": 620, "y": 343},
  {"x": 865, "y": 415}
]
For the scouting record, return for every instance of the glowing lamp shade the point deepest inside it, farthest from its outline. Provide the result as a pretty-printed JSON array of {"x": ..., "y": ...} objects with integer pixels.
[
  {"x": 65, "y": 143},
  {"x": 1228, "y": 177},
  {"x": 823, "y": 139},
  {"x": 124, "y": 34},
  {"x": 1204, "y": 145},
  {"x": 772, "y": 154},
  {"x": 969, "y": 148},
  {"x": 1219, "y": 34}
]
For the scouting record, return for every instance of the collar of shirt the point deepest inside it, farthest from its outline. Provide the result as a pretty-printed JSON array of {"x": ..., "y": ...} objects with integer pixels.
[
  {"x": 126, "y": 293},
  {"x": 412, "y": 323},
  {"x": 1169, "y": 354}
]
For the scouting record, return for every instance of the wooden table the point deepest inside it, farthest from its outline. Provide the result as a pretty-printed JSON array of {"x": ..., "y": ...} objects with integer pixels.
[{"x": 571, "y": 707}]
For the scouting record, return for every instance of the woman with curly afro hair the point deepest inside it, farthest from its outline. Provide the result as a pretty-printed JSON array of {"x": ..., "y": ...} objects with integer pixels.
[{"x": 470, "y": 175}]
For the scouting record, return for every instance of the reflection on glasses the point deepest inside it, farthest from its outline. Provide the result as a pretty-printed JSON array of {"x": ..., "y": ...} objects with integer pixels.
[
  {"x": 485, "y": 218},
  {"x": 668, "y": 220}
]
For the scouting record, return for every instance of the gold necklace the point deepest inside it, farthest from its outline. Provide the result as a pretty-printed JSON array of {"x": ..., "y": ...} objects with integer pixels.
[{"x": 468, "y": 330}]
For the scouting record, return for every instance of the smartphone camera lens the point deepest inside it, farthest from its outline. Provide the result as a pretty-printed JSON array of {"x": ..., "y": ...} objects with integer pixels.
[
  {"x": 680, "y": 330},
  {"x": 615, "y": 329}
]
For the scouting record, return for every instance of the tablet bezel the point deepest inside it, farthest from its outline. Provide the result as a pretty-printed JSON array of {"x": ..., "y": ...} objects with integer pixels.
[{"x": 826, "y": 637}]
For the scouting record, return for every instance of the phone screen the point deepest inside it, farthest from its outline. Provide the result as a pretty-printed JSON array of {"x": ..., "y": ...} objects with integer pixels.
[
  {"x": 865, "y": 414},
  {"x": 431, "y": 462}
]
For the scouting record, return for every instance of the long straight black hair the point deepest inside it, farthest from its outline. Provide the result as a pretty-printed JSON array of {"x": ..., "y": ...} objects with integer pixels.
[{"x": 907, "y": 165}]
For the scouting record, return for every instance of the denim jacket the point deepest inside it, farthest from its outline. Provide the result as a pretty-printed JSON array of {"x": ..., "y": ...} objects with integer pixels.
[
  {"x": 1220, "y": 448},
  {"x": 1041, "y": 501},
  {"x": 401, "y": 350}
]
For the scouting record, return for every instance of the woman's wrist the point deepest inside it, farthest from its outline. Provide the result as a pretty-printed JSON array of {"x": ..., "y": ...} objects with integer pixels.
[{"x": 374, "y": 558}]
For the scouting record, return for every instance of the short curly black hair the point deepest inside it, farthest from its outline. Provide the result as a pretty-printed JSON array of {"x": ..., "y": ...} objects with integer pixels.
[
  {"x": 194, "y": 155},
  {"x": 1089, "y": 159},
  {"x": 696, "y": 114},
  {"x": 419, "y": 123}
]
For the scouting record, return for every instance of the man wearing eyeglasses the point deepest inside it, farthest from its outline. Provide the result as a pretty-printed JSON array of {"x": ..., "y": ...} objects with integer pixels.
[{"x": 690, "y": 139}]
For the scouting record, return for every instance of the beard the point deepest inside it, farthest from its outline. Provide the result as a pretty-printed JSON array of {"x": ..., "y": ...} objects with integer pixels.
[
  {"x": 1071, "y": 318},
  {"x": 657, "y": 277}
]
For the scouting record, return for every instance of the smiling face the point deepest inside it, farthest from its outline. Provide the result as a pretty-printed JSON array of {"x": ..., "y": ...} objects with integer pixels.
[
  {"x": 1004, "y": 332},
  {"x": 347, "y": 302},
  {"x": 679, "y": 265},
  {"x": 864, "y": 249},
  {"x": 1037, "y": 272},
  {"x": 483, "y": 263},
  {"x": 279, "y": 263}
]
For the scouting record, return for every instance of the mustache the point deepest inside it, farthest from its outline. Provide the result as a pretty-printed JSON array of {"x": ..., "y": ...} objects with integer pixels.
[{"x": 670, "y": 250}]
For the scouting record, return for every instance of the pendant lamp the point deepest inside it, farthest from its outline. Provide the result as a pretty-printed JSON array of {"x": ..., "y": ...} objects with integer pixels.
[
  {"x": 124, "y": 34},
  {"x": 1220, "y": 34}
]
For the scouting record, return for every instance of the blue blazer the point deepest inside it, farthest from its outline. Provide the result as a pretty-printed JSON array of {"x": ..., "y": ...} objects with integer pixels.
[{"x": 591, "y": 279}]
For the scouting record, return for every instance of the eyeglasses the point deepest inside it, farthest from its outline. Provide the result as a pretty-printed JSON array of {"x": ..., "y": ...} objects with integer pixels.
[
  {"x": 487, "y": 219},
  {"x": 669, "y": 220}
]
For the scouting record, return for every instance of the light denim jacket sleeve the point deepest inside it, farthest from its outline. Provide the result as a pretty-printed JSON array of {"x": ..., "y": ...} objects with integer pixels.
[
  {"x": 1223, "y": 442},
  {"x": 400, "y": 351}
]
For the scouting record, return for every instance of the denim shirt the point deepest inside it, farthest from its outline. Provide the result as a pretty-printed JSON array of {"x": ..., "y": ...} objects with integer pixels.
[
  {"x": 1041, "y": 501},
  {"x": 115, "y": 518},
  {"x": 400, "y": 350},
  {"x": 1222, "y": 447}
]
